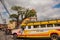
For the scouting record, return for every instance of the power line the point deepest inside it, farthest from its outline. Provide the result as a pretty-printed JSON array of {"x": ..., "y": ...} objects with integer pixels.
[{"x": 2, "y": 1}]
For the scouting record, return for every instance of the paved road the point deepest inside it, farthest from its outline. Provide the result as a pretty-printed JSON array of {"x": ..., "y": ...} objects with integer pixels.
[{"x": 5, "y": 37}]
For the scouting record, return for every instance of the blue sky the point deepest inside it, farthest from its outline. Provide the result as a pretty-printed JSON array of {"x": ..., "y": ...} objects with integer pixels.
[
  {"x": 45, "y": 8},
  {"x": 57, "y": 6}
]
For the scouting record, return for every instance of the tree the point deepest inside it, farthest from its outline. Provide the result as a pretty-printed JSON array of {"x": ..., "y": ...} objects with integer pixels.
[
  {"x": 30, "y": 13},
  {"x": 16, "y": 16},
  {"x": 21, "y": 11},
  {"x": 13, "y": 17},
  {"x": 16, "y": 8}
]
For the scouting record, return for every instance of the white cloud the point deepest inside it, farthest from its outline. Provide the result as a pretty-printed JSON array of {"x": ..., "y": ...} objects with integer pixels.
[{"x": 43, "y": 7}]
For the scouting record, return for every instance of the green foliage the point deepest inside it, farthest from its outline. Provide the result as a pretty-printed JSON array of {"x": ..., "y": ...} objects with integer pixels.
[
  {"x": 27, "y": 13},
  {"x": 16, "y": 8},
  {"x": 30, "y": 13},
  {"x": 13, "y": 16}
]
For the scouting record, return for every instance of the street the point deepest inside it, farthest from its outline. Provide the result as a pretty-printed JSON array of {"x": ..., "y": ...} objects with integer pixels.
[{"x": 5, "y": 37}]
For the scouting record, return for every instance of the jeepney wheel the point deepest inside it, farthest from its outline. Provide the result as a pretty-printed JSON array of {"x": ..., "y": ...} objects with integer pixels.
[
  {"x": 21, "y": 39},
  {"x": 54, "y": 37},
  {"x": 15, "y": 37}
]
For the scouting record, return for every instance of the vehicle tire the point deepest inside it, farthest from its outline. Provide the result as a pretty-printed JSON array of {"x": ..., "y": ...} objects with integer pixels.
[
  {"x": 15, "y": 36},
  {"x": 54, "y": 37},
  {"x": 21, "y": 39}
]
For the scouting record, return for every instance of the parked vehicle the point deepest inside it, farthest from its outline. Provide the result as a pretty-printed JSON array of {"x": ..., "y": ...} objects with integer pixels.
[{"x": 47, "y": 29}]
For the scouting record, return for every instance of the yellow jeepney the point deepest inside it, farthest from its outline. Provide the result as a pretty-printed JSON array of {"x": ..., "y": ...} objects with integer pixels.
[{"x": 48, "y": 28}]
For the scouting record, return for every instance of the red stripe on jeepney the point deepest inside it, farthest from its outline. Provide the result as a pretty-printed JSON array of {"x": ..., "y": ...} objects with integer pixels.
[
  {"x": 33, "y": 34},
  {"x": 58, "y": 29}
]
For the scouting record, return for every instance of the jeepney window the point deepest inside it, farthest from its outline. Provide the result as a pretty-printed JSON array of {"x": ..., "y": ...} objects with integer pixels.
[
  {"x": 23, "y": 27},
  {"x": 29, "y": 27},
  {"x": 43, "y": 26},
  {"x": 49, "y": 25},
  {"x": 36, "y": 26},
  {"x": 57, "y": 25}
]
